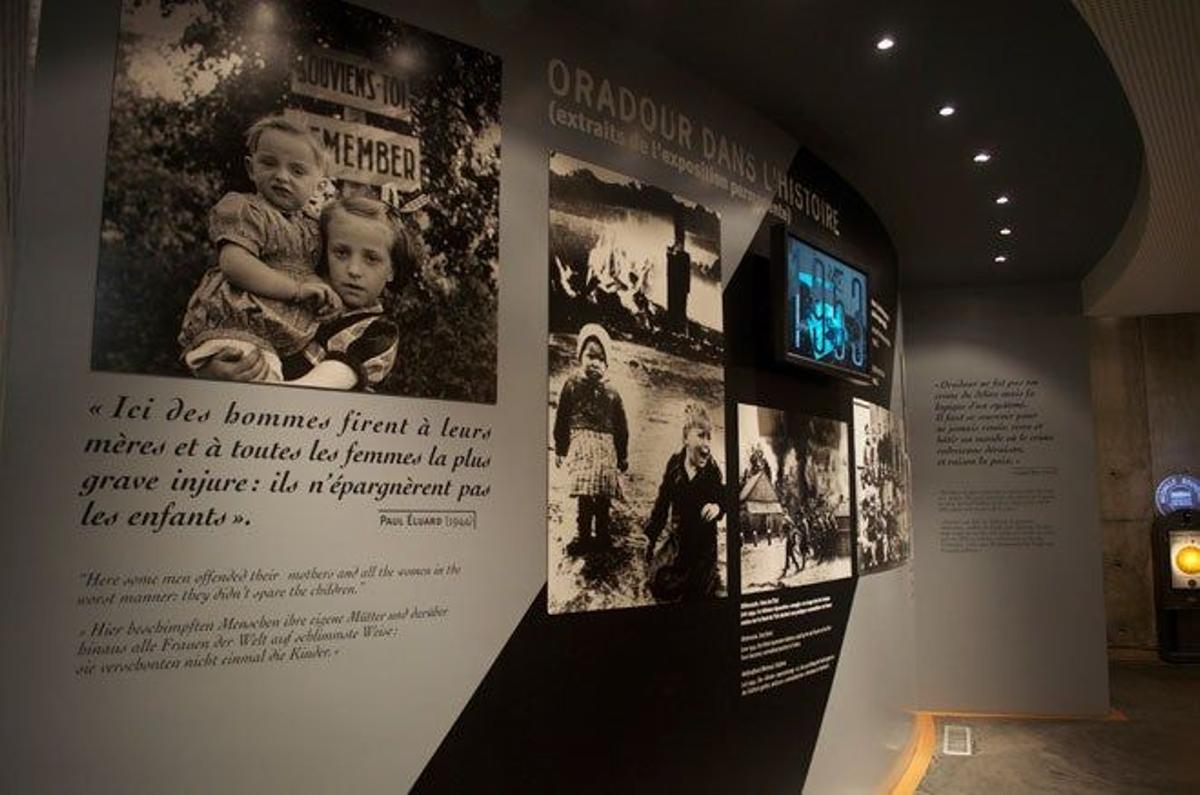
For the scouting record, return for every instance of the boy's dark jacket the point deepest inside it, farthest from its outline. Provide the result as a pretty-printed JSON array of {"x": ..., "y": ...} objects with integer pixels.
[{"x": 693, "y": 572}]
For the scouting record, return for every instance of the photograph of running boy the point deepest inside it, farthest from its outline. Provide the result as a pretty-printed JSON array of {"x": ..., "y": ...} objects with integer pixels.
[{"x": 637, "y": 510}]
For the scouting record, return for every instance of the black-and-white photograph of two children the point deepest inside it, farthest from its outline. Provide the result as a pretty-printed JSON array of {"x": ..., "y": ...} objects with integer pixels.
[
  {"x": 300, "y": 193},
  {"x": 636, "y": 512},
  {"x": 882, "y": 477},
  {"x": 793, "y": 499}
]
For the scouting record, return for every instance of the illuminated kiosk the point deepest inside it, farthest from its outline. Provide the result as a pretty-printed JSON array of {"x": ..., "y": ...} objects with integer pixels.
[{"x": 1176, "y": 546}]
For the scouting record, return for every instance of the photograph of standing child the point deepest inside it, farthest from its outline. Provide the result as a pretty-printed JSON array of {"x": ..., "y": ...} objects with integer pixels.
[
  {"x": 592, "y": 435},
  {"x": 636, "y": 395}
]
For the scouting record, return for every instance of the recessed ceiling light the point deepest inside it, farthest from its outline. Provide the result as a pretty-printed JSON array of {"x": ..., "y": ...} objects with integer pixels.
[
  {"x": 1002, "y": 199},
  {"x": 981, "y": 157},
  {"x": 946, "y": 110},
  {"x": 1006, "y": 231},
  {"x": 885, "y": 43},
  {"x": 1001, "y": 258}
]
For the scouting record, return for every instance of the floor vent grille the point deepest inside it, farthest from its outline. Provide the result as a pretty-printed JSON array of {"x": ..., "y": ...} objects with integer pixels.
[{"x": 956, "y": 740}]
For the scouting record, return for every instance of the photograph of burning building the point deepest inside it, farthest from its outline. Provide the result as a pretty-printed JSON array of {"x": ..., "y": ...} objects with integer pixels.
[{"x": 793, "y": 499}]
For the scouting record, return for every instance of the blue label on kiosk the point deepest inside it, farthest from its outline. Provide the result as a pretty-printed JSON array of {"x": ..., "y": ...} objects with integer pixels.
[{"x": 1179, "y": 492}]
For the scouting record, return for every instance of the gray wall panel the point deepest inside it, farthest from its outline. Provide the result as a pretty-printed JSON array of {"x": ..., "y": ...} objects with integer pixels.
[{"x": 1014, "y": 627}]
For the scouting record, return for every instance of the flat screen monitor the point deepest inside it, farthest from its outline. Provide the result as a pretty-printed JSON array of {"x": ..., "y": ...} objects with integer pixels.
[{"x": 825, "y": 311}]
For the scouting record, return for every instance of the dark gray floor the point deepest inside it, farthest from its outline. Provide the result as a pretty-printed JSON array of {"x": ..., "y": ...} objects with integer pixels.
[{"x": 1157, "y": 750}]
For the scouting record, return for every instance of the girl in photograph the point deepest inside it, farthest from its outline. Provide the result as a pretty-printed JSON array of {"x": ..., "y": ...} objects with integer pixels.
[
  {"x": 366, "y": 246},
  {"x": 263, "y": 294},
  {"x": 591, "y": 434},
  {"x": 690, "y": 495}
]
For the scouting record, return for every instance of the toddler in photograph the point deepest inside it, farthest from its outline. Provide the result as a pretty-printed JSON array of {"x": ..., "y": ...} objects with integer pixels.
[
  {"x": 263, "y": 293},
  {"x": 591, "y": 434}
]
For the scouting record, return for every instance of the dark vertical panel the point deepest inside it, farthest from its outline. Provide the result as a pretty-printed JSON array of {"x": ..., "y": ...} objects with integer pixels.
[
  {"x": 1119, "y": 404},
  {"x": 1146, "y": 398},
  {"x": 1171, "y": 346},
  {"x": 16, "y": 30},
  {"x": 1128, "y": 583},
  {"x": 1123, "y": 469}
]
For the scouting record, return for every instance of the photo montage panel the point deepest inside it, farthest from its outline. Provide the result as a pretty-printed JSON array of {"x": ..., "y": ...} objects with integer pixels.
[
  {"x": 881, "y": 471},
  {"x": 636, "y": 417},
  {"x": 326, "y": 216},
  {"x": 793, "y": 499}
]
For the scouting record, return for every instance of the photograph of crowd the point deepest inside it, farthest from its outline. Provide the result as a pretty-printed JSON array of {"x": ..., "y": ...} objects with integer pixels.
[
  {"x": 300, "y": 193},
  {"x": 793, "y": 499},
  {"x": 881, "y": 470},
  {"x": 636, "y": 512}
]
